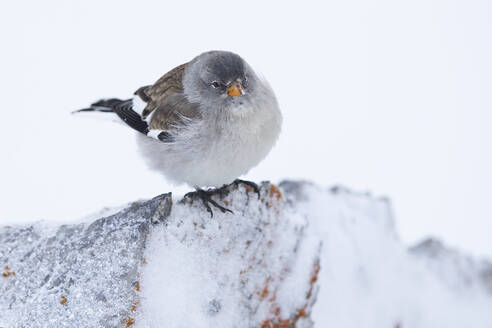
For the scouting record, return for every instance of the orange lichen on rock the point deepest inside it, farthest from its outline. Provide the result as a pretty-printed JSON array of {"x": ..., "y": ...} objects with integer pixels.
[
  {"x": 249, "y": 188},
  {"x": 264, "y": 293},
  {"x": 301, "y": 313},
  {"x": 63, "y": 301},
  {"x": 275, "y": 194},
  {"x": 275, "y": 324},
  {"x": 276, "y": 320},
  {"x": 7, "y": 272},
  {"x": 129, "y": 322},
  {"x": 314, "y": 278},
  {"x": 274, "y": 191},
  {"x": 243, "y": 271},
  {"x": 134, "y": 306}
]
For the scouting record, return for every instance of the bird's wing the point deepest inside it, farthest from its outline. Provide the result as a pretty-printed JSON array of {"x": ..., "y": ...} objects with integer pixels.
[
  {"x": 164, "y": 99},
  {"x": 154, "y": 95},
  {"x": 174, "y": 112}
]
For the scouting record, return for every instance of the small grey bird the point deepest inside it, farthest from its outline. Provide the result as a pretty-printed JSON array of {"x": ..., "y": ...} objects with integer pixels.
[{"x": 204, "y": 123}]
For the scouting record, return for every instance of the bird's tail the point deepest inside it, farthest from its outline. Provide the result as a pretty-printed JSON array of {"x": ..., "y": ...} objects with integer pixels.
[
  {"x": 103, "y": 105},
  {"x": 122, "y": 108}
]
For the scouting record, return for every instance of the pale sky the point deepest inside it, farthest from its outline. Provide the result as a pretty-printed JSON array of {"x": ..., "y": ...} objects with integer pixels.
[{"x": 383, "y": 96}]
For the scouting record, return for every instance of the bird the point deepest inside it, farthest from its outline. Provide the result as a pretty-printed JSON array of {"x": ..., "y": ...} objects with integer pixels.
[{"x": 205, "y": 123}]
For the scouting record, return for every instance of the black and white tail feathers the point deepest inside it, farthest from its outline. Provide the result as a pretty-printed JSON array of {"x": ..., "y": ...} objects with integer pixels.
[
  {"x": 103, "y": 105},
  {"x": 124, "y": 110}
]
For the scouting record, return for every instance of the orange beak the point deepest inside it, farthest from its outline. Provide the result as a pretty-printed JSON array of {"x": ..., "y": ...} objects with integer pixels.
[{"x": 235, "y": 89}]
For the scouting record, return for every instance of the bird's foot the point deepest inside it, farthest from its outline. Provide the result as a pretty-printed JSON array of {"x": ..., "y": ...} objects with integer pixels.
[
  {"x": 206, "y": 197},
  {"x": 249, "y": 184}
]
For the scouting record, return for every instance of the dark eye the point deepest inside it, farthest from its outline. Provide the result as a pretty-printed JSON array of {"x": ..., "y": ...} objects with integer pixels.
[{"x": 216, "y": 84}]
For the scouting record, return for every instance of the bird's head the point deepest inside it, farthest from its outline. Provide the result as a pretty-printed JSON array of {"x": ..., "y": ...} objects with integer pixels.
[{"x": 221, "y": 80}]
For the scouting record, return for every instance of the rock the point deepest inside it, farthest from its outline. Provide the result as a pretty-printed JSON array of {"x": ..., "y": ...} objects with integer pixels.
[
  {"x": 458, "y": 271},
  {"x": 255, "y": 268},
  {"x": 299, "y": 256},
  {"x": 80, "y": 275}
]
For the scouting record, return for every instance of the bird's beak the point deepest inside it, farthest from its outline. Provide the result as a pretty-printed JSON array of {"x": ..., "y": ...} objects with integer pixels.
[{"x": 235, "y": 89}]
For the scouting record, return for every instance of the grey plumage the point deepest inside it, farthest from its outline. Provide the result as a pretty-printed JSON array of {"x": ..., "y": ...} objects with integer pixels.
[{"x": 209, "y": 120}]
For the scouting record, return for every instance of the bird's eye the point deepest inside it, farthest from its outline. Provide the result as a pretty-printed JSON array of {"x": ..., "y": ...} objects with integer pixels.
[{"x": 215, "y": 84}]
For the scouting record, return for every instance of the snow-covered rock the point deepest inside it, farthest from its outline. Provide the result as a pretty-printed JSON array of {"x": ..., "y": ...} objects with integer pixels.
[
  {"x": 83, "y": 275},
  {"x": 297, "y": 256},
  {"x": 369, "y": 278}
]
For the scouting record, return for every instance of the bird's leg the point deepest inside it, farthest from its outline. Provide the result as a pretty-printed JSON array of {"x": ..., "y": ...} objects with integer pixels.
[
  {"x": 206, "y": 198},
  {"x": 222, "y": 191},
  {"x": 250, "y": 184}
]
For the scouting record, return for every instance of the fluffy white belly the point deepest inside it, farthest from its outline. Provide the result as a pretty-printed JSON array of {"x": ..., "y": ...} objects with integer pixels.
[{"x": 206, "y": 156}]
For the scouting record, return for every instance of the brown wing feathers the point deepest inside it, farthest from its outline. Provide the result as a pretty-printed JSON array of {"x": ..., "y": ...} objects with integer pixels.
[
  {"x": 166, "y": 102},
  {"x": 170, "y": 83}
]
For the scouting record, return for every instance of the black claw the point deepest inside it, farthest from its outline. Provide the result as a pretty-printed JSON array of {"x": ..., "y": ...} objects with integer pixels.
[
  {"x": 250, "y": 184},
  {"x": 221, "y": 208},
  {"x": 206, "y": 198},
  {"x": 209, "y": 210}
]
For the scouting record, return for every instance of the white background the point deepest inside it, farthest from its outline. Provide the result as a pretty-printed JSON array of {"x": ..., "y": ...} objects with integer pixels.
[{"x": 387, "y": 96}]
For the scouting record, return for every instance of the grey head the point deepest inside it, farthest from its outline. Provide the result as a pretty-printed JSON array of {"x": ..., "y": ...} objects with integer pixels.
[{"x": 221, "y": 80}]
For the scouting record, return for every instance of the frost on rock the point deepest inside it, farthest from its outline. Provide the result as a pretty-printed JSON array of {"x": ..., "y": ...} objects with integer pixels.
[
  {"x": 81, "y": 275},
  {"x": 256, "y": 268},
  {"x": 297, "y": 256}
]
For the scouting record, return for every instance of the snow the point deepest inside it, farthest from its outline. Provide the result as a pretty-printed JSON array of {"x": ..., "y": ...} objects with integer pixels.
[
  {"x": 228, "y": 270},
  {"x": 299, "y": 255},
  {"x": 369, "y": 279}
]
